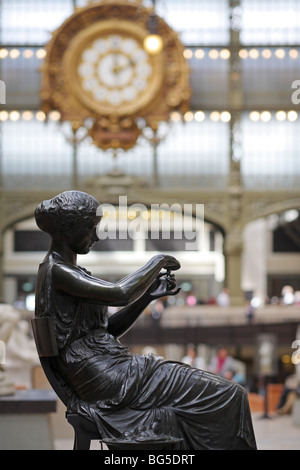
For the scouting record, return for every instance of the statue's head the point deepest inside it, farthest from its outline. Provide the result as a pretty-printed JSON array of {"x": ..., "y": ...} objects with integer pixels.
[{"x": 67, "y": 211}]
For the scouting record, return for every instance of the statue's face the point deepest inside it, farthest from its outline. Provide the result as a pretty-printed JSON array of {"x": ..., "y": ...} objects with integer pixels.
[{"x": 83, "y": 236}]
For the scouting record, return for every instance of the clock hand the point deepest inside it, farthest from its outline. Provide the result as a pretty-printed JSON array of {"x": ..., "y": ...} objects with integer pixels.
[
  {"x": 119, "y": 68},
  {"x": 115, "y": 63}
]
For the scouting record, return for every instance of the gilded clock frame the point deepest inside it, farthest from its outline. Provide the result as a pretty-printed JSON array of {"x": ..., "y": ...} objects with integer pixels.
[
  {"x": 83, "y": 40},
  {"x": 113, "y": 127}
]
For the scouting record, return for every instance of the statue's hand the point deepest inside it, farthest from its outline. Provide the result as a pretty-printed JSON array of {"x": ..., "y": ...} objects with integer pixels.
[
  {"x": 164, "y": 285},
  {"x": 171, "y": 263}
]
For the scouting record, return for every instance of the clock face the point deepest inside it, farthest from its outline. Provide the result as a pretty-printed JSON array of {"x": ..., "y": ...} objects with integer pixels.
[
  {"x": 111, "y": 72},
  {"x": 114, "y": 70}
]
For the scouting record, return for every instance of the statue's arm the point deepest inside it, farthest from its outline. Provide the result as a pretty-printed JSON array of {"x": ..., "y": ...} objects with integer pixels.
[
  {"x": 126, "y": 291},
  {"x": 119, "y": 323}
]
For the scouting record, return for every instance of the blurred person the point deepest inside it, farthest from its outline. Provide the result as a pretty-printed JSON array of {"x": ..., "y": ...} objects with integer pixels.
[
  {"x": 149, "y": 350},
  {"x": 221, "y": 364},
  {"x": 192, "y": 359},
  {"x": 249, "y": 312},
  {"x": 297, "y": 298},
  {"x": 235, "y": 376},
  {"x": 223, "y": 299},
  {"x": 288, "y": 395}
]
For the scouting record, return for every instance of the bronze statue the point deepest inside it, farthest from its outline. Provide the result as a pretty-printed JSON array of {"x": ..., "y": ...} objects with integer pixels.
[{"x": 127, "y": 395}]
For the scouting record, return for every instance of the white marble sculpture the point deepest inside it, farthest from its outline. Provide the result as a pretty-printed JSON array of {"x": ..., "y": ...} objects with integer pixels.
[
  {"x": 9, "y": 317},
  {"x": 21, "y": 355}
]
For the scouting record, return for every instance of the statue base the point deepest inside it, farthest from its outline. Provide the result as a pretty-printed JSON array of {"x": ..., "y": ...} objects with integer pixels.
[{"x": 6, "y": 386}]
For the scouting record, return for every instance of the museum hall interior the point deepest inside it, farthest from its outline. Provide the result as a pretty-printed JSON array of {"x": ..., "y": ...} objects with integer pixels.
[{"x": 181, "y": 118}]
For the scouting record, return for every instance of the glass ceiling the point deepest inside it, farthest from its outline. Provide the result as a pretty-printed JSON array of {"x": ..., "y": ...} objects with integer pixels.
[
  {"x": 198, "y": 22},
  {"x": 196, "y": 151}
]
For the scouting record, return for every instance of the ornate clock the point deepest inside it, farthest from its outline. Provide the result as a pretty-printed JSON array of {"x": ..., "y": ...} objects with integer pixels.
[
  {"x": 109, "y": 70},
  {"x": 98, "y": 70}
]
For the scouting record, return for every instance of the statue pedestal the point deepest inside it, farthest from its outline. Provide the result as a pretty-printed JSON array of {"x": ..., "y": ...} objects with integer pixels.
[
  {"x": 24, "y": 420},
  {"x": 7, "y": 387}
]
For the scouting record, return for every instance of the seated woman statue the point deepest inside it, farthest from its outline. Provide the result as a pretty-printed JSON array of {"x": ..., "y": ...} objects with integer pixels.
[{"x": 125, "y": 393}]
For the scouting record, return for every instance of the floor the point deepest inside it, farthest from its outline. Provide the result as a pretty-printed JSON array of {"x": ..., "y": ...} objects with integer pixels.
[
  {"x": 276, "y": 432},
  {"x": 272, "y": 433}
]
